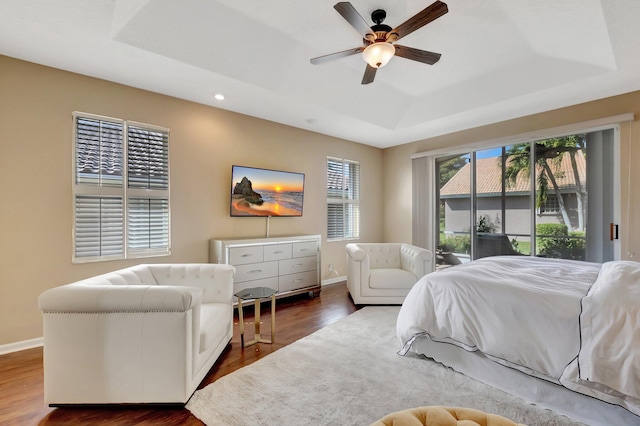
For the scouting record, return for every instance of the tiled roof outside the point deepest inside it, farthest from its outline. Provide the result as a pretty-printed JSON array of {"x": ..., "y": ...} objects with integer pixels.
[{"x": 489, "y": 177}]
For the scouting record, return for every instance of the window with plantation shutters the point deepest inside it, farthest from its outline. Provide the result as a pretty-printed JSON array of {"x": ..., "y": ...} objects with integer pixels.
[
  {"x": 121, "y": 189},
  {"x": 343, "y": 199}
]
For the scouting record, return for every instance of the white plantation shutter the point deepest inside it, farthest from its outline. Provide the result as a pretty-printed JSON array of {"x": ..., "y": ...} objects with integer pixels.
[
  {"x": 102, "y": 230},
  {"x": 343, "y": 199},
  {"x": 335, "y": 220},
  {"x": 148, "y": 158},
  {"x": 98, "y": 227},
  {"x": 148, "y": 224},
  {"x": 98, "y": 152}
]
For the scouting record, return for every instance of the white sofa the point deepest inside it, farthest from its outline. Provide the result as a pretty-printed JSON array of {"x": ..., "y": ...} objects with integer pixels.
[
  {"x": 144, "y": 334},
  {"x": 383, "y": 273}
]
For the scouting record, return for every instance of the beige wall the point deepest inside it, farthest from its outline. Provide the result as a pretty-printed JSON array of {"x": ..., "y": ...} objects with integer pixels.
[
  {"x": 36, "y": 221},
  {"x": 397, "y": 162}
]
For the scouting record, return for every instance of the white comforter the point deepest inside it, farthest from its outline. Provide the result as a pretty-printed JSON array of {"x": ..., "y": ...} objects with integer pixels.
[
  {"x": 518, "y": 310},
  {"x": 573, "y": 323}
]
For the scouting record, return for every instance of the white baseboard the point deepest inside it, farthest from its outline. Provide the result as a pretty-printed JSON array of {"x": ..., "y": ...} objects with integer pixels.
[
  {"x": 21, "y": 346},
  {"x": 333, "y": 280}
]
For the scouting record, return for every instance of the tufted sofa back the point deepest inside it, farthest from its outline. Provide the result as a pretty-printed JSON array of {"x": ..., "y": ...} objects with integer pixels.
[
  {"x": 188, "y": 275},
  {"x": 197, "y": 275},
  {"x": 135, "y": 275},
  {"x": 384, "y": 255}
]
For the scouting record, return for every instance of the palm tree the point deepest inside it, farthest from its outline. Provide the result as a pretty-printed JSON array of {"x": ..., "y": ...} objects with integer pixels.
[{"x": 518, "y": 161}]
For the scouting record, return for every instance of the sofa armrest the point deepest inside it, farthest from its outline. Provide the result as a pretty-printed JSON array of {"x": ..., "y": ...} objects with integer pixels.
[
  {"x": 73, "y": 298},
  {"x": 417, "y": 260},
  {"x": 355, "y": 253},
  {"x": 358, "y": 264}
]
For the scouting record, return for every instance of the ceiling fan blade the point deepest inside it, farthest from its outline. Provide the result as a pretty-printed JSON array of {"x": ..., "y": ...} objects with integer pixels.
[
  {"x": 423, "y": 56},
  {"x": 352, "y": 16},
  {"x": 332, "y": 56},
  {"x": 369, "y": 74},
  {"x": 419, "y": 20}
]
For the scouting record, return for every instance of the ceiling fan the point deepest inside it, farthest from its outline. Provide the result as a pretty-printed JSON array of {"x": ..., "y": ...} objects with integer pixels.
[{"x": 378, "y": 39}]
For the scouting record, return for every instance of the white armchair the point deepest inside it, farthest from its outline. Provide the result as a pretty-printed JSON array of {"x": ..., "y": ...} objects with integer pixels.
[
  {"x": 144, "y": 334},
  {"x": 383, "y": 273}
]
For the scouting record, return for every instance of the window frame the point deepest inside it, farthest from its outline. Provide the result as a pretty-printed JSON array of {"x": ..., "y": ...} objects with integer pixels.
[
  {"x": 551, "y": 206},
  {"x": 121, "y": 191},
  {"x": 350, "y": 203}
]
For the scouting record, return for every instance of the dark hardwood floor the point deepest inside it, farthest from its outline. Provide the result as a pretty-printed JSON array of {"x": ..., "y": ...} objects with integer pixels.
[{"x": 21, "y": 374}]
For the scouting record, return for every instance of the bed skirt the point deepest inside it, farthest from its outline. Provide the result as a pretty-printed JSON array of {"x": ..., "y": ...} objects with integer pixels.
[{"x": 540, "y": 392}]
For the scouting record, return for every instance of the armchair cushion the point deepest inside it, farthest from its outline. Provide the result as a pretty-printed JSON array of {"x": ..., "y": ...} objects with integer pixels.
[{"x": 381, "y": 277}]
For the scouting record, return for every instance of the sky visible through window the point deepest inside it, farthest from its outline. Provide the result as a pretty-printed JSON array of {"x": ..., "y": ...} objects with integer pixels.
[{"x": 488, "y": 153}]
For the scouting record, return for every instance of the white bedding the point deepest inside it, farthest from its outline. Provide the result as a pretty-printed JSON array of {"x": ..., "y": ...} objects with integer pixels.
[
  {"x": 608, "y": 364},
  {"x": 537, "y": 315}
]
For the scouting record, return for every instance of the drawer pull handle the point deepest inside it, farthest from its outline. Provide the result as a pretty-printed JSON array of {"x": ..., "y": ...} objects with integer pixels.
[
  {"x": 246, "y": 255},
  {"x": 277, "y": 252},
  {"x": 255, "y": 271},
  {"x": 304, "y": 249},
  {"x": 298, "y": 264},
  {"x": 298, "y": 281}
]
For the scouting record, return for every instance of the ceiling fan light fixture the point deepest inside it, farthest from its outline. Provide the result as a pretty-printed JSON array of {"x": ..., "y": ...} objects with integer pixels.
[{"x": 378, "y": 54}]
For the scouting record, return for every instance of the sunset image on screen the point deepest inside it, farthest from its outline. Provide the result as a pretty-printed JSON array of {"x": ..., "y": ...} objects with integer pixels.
[{"x": 264, "y": 192}]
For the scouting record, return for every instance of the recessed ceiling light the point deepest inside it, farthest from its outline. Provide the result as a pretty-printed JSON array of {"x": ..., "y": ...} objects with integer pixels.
[{"x": 219, "y": 96}]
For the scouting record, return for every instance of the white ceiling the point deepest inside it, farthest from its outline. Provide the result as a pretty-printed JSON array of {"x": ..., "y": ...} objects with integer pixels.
[{"x": 501, "y": 59}]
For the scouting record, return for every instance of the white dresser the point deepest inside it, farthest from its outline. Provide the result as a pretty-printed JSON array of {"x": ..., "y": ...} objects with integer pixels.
[{"x": 290, "y": 264}]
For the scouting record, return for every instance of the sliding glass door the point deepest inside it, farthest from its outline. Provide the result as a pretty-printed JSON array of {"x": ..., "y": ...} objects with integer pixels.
[
  {"x": 454, "y": 212},
  {"x": 561, "y": 197},
  {"x": 551, "y": 197},
  {"x": 503, "y": 201}
]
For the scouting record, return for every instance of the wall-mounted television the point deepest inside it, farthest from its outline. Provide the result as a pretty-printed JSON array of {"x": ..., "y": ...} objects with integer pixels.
[{"x": 265, "y": 192}]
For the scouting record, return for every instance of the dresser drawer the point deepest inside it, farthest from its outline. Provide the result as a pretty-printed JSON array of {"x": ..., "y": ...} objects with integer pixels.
[
  {"x": 256, "y": 271},
  {"x": 265, "y": 282},
  {"x": 296, "y": 281},
  {"x": 277, "y": 252},
  {"x": 300, "y": 264},
  {"x": 307, "y": 248},
  {"x": 244, "y": 255}
]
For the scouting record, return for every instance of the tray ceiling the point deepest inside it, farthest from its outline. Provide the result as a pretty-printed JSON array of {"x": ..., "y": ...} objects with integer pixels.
[{"x": 501, "y": 59}]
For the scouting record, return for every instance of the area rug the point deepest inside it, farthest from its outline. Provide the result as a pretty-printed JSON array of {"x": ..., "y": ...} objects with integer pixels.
[{"x": 349, "y": 374}]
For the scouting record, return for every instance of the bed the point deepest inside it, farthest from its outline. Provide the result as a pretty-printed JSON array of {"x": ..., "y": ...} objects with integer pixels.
[{"x": 560, "y": 333}]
